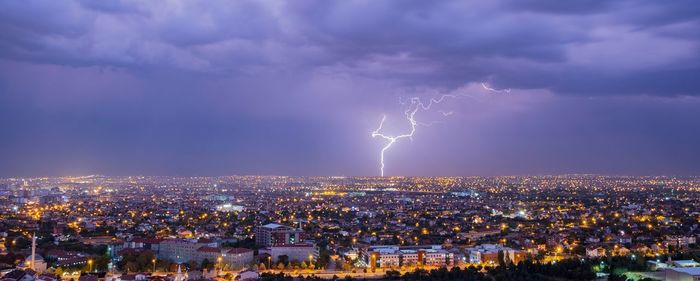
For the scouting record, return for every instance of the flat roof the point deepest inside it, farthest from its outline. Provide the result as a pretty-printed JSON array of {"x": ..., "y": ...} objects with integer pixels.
[
  {"x": 272, "y": 225},
  {"x": 686, "y": 262},
  {"x": 693, "y": 271}
]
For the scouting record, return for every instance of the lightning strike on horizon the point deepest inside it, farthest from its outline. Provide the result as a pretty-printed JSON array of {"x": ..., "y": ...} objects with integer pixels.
[{"x": 415, "y": 104}]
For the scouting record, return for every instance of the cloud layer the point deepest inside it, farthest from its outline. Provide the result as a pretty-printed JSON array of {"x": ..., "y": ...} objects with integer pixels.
[{"x": 177, "y": 87}]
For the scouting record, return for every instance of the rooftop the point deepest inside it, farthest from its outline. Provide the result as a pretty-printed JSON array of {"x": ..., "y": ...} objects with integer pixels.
[{"x": 694, "y": 271}]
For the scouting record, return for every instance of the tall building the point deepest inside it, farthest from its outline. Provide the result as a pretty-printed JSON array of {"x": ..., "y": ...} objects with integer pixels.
[{"x": 277, "y": 235}]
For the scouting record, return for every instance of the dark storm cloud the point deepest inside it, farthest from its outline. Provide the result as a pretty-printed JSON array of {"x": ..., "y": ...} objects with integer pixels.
[
  {"x": 458, "y": 39},
  {"x": 178, "y": 87},
  {"x": 559, "y": 7}
]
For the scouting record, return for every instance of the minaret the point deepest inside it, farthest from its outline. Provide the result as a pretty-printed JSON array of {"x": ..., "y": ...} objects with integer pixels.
[
  {"x": 179, "y": 274},
  {"x": 33, "y": 251}
]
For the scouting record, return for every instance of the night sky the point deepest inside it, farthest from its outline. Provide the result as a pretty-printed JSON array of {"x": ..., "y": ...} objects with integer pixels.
[{"x": 294, "y": 88}]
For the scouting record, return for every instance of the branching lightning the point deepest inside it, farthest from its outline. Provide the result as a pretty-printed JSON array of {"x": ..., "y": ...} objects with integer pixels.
[
  {"x": 494, "y": 90},
  {"x": 414, "y": 104}
]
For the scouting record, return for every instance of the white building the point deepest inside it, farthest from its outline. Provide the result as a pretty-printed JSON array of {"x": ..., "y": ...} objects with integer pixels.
[
  {"x": 679, "y": 240},
  {"x": 394, "y": 256},
  {"x": 595, "y": 252},
  {"x": 39, "y": 263},
  {"x": 485, "y": 253}
]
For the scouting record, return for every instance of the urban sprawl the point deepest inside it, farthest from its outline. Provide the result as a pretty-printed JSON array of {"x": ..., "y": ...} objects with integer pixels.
[{"x": 573, "y": 227}]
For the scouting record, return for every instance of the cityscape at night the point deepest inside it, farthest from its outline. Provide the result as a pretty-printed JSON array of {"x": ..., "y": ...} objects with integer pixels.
[{"x": 353, "y": 140}]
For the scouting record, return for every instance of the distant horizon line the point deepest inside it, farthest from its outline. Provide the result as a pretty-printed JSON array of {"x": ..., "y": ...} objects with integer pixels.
[{"x": 340, "y": 176}]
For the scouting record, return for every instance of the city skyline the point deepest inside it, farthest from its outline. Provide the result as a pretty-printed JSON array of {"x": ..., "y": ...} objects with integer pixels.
[
  {"x": 365, "y": 228},
  {"x": 299, "y": 89}
]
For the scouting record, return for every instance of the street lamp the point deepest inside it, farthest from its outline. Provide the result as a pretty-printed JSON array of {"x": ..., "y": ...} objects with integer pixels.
[
  {"x": 269, "y": 263},
  {"x": 154, "y": 264},
  {"x": 218, "y": 261},
  {"x": 311, "y": 257},
  {"x": 90, "y": 264}
]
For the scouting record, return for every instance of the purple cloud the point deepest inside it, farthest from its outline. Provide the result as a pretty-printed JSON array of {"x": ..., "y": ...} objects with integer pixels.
[{"x": 261, "y": 86}]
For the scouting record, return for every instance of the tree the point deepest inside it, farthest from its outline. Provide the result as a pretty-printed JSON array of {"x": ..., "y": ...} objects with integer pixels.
[
  {"x": 192, "y": 264},
  {"x": 58, "y": 271},
  {"x": 506, "y": 259},
  {"x": 164, "y": 264},
  {"x": 131, "y": 266},
  {"x": 137, "y": 262},
  {"x": 11, "y": 258},
  {"x": 283, "y": 259},
  {"x": 101, "y": 263},
  {"x": 280, "y": 266},
  {"x": 501, "y": 258},
  {"x": 393, "y": 274},
  {"x": 17, "y": 243},
  {"x": 172, "y": 267}
]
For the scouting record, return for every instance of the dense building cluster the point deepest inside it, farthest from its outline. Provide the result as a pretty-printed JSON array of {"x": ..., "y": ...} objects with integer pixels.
[{"x": 209, "y": 226}]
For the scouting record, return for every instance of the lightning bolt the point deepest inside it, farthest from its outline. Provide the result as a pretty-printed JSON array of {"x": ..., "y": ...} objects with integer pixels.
[
  {"x": 415, "y": 104},
  {"x": 483, "y": 85}
]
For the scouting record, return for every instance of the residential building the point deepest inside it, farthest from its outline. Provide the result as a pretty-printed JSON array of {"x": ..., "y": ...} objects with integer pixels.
[{"x": 277, "y": 235}]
